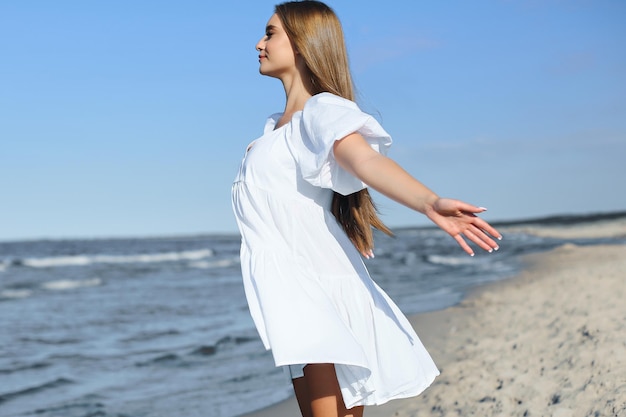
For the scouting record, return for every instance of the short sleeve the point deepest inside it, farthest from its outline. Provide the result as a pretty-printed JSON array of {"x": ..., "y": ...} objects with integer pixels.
[{"x": 325, "y": 119}]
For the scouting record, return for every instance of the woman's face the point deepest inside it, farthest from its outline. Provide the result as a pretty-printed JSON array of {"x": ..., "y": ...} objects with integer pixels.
[{"x": 276, "y": 54}]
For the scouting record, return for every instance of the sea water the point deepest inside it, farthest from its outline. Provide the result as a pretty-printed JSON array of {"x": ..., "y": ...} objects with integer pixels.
[{"x": 156, "y": 327}]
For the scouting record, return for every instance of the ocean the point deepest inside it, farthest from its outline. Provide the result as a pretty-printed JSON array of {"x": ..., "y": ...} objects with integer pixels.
[{"x": 156, "y": 327}]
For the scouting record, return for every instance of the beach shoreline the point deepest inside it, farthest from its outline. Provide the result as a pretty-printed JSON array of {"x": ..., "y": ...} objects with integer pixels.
[{"x": 547, "y": 342}]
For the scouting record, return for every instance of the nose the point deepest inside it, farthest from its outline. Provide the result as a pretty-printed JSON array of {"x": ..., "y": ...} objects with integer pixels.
[{"x": 259, "y": 45}]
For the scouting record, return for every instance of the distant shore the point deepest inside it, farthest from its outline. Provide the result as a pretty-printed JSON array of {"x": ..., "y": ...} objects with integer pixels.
[{"x": 549, "y": 342}]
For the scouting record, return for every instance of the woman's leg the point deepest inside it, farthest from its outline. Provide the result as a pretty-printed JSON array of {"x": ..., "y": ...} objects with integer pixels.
[
  {"x": 319, "y": 395},
  {"x": 302, "y": 395}
]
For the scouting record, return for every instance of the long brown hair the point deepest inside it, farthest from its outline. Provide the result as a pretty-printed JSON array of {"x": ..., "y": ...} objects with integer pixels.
[{"x": 316, "y": 33}]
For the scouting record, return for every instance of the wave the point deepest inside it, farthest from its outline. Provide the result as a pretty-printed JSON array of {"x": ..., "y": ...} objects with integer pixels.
[
  {"x": 81, "y": 260},
  {"x": 450, "y": 260},
  {"x": 165, "y": 359},
  {"x": 148, "y": 336},
  {"x": 173, "y": 359},
  {"x": 58, "y": 285},
  {"x": 15, "y": 294},
  {"x": 36, "y": 365},
  {"x": 50, "y": 341},
  {"x": 208, "y": 350},
  {"x": 32, "y": 390},
  {"x": 89, "y": 405},
  {"x": 222, "y": 263},
  {"x": 69, "y": 284}
]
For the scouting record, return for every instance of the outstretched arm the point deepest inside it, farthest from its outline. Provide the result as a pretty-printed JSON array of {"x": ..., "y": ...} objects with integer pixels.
[{"x": 384, "y": 175}]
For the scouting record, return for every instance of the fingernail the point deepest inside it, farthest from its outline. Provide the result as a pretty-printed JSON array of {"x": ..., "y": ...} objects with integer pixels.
[
  {"x": 490, "y": 250},
  {"x": 372, "y": 255},
  {"x": 471, "y": 254},
  {"x": 496, "y": 248},
  {"x": 499, "y": 237},
  {"x": 483, "y": 208}
]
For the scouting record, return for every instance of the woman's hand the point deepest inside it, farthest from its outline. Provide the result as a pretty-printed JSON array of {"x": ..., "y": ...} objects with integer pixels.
[{"x": 459, "y": 220}]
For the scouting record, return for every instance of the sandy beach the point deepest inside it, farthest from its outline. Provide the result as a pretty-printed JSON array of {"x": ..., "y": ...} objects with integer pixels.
[{"x": 549, "y": 342}]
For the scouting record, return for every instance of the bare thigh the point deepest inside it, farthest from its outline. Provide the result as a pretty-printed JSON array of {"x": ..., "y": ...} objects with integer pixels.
[{"x": 319, "y": 395}]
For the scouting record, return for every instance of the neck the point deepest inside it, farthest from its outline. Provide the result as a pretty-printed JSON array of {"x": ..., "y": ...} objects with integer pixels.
[
  {"x": 297, "y": 92},
  {"x": 296, "y": 96}
]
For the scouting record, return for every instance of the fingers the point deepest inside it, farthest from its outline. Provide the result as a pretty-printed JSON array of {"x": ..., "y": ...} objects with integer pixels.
[
  {"x": 483, "y": 225},
  {"x": 463, "y": 244},
  {"x": 480, "y": 237}
]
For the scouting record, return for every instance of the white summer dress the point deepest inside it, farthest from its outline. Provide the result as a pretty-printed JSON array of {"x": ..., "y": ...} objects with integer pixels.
[{"x": 309, "y": 293}]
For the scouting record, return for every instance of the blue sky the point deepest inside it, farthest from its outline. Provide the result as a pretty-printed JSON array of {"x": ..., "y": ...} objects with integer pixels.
[{"x": 123, "y": 118}]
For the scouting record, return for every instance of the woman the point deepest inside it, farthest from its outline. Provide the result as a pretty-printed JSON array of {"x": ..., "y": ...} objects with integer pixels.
[{"x": 305, "y": 217}]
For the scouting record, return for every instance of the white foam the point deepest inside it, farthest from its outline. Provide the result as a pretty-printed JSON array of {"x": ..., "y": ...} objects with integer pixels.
[
  {"x": 222, "y": 263},
  {"x": 449, "y": 260},
  {"x": 56, "y": 261},
  {"x": 69, "y": 284},
  {"x": 15, "y": 293},
  {"x": 80, "y": 260}
]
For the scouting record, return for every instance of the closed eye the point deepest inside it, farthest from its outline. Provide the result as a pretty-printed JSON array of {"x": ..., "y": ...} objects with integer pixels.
[{"x": 269, "y": 31}]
